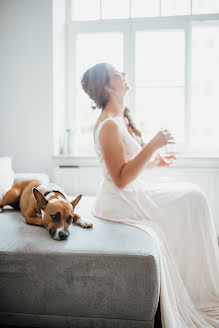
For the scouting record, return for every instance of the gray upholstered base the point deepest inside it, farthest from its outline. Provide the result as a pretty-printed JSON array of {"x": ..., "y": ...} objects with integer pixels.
[
  {"x": 53, "y": 321},
  {"x": 107, "y": 276}
]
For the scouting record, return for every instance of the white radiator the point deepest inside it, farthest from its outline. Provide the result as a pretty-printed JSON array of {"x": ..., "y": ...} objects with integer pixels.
[{"x": 84, "y": 180}]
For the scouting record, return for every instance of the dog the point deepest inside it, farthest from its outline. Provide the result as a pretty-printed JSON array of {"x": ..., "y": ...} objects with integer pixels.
[{"x": 44, "y": 205}]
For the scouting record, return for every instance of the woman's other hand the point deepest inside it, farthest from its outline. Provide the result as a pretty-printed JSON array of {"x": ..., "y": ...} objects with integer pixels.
[
  {"x": 161, "y": 139},
  {"x": 164, "y": 160}
]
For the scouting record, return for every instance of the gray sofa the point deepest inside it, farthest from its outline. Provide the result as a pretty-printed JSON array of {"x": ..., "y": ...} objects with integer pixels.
[{"x": 107, "y": 276}]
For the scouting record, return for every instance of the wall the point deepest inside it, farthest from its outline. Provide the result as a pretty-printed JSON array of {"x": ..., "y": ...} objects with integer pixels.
[{"x": 26, "y": 124}]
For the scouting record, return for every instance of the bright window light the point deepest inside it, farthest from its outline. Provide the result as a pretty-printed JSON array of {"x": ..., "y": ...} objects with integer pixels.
[
  {"x": 205, "y": 6},
  {"x": 90, "y": 50},
  {"x": 205, "y": 86},
  {"x": 160, "y": 108},
  {"x": 96, "y": 48},
  {"x": 160, "y": 81},
  {"x": 160, "y": 58},
  {"x": 175, "y": 7},
  {"x": 85, "y": 9},
  {"x": 171, "y": 63},
  {"x": 145, "y": 8},
  {"x": 112, "y": 9}
]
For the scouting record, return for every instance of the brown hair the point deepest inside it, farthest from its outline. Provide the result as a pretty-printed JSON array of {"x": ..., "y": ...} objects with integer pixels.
[{"x": 93, "y": 82}]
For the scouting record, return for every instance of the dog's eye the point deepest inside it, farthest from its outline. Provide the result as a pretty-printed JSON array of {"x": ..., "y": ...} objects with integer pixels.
[
  {"x": 56, "y": 217},
  {"x": 69, "y": 219}
]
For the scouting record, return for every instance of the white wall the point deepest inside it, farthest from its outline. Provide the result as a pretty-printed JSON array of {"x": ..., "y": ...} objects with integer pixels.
[{"x": 26, "y": 84}]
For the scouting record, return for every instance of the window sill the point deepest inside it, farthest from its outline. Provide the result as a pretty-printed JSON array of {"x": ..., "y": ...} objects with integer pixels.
[{"x": 184, "y": 160}]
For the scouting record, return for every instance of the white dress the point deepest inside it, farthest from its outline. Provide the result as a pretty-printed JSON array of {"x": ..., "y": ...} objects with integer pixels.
[{"x": 177, "y": 215}]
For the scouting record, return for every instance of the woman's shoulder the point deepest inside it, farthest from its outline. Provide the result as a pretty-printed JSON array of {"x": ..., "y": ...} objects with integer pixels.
[{"x": 100, "y": 122}]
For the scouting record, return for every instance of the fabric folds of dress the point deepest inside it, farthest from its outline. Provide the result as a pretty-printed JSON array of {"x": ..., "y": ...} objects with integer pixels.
[{"x": 178, "y": 217}]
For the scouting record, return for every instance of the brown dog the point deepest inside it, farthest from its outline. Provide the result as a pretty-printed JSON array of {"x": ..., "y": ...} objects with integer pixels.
[{"x": 44, "y": 205}]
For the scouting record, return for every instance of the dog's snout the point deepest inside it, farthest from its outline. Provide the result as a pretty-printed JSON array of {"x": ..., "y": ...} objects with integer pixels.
[
  {"x": 52, "y": 232},
  {"x": 59, "y": 234},
  {"x": 63, "y": 235}
]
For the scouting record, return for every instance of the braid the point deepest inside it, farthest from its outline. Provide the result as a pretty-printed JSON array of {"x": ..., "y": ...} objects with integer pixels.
[{"x": 127, "y": 115}]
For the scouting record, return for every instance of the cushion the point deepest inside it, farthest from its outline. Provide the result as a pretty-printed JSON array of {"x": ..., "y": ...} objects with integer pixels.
[
  {"x": 29, "y": 176},
  {"x": 6, "y": 175},
  {"x": 109, "y": 273}
]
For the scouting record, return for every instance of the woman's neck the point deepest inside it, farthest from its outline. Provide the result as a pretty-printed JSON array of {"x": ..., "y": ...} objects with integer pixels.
[{"x": 115, "y": 108}]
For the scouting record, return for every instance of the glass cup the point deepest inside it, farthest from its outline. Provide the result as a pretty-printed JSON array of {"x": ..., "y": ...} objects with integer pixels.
[{"x": 169, "y": 149}]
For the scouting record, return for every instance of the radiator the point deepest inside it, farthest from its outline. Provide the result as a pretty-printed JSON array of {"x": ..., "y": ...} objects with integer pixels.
[{"x": 84, "y": 180}]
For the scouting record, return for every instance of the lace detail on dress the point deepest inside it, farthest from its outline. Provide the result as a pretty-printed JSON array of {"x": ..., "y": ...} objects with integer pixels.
[{"x": 132, "y": 147}]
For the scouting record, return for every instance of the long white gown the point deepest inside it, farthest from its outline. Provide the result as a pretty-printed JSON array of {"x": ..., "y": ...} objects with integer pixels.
[{"x": 177, "y": 215}]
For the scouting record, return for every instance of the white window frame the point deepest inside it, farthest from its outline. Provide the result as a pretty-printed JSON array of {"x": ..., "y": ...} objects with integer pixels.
[{"x": 129, "y": 27}]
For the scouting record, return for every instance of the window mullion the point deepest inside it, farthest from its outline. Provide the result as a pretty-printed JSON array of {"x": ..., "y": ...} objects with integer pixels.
[
  {"x": 68, "y": 11},
  {"x": 132, "y": 65},
  {"x": 188, "y": 68},
  {"x": 72, "y": 115},
  {"x": 130, "y": 8},
  {"x": 129, "y": 62},
  {"x": 100, "y": 9}
]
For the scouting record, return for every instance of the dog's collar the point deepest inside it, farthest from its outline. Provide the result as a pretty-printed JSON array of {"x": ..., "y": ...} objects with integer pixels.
[{"x": 48, "y": 192}]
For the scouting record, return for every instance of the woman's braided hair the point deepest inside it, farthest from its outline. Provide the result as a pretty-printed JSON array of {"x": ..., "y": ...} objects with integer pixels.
[
  {"x": 131, "y": 124},
  {"x": 93, "y": 82}
]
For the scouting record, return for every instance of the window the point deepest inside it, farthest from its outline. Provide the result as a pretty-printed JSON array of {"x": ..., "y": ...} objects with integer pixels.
[
  {"x": 91, "y": 49},
  {"x": 159, "y": 66},
  {"x": 205, "y": 86},
  {"x": 169, "y": 50}
]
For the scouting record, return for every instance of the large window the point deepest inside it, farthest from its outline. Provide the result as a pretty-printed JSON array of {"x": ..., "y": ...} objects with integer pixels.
[{"x": 170, "y": 52}]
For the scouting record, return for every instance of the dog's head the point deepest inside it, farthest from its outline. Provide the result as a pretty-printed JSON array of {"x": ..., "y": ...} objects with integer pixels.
[{"x": 57, "y": 214}]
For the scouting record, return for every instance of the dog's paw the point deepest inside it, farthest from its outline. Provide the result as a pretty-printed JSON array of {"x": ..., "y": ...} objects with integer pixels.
[
  {"x": 85, "y": 223},
  {"x": 1, "y": 210},
  {"x": 88, "y": 224}
]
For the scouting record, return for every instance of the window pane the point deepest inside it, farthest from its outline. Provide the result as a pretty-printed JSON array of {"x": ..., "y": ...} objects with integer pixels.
[
  {"x": 115, "y": 9},
  {"x": 96, "y": 48},
  {"x": 85, "y": 9},
  {"x": 160, "y": 58},
  {"x": 158, "y": 108},
  {"x": 205, "y": 86},
  {"x": 87, "y": 118},
  {"x": 90, "y": 50},
  {"x": 205, "y": 6},
  {"x": 175, "y": 7},
  {"x": 145, "y": 8}
]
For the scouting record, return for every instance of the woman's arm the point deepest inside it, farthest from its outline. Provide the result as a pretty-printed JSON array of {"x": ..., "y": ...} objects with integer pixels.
[{"x": 122, "y": 171}]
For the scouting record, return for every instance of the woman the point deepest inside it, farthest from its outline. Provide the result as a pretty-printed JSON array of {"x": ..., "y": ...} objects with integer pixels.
[{"x": 175, "y": 214}]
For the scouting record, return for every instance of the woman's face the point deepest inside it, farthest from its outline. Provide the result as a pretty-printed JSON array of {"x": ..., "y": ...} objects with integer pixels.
[{"x": 117, "y": 80}]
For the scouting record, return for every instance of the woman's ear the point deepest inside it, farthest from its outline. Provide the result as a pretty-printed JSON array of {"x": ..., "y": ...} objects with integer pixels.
[{"x": 108, "y": 89}]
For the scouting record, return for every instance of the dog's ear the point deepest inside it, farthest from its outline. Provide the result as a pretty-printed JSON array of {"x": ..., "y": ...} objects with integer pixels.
[
  {"x": 75, "y": 201},
  {"x": 40, "y": 199}
]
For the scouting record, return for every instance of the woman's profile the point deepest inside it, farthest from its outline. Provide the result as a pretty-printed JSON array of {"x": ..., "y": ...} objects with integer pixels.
[{"x": 176, "y": 214}]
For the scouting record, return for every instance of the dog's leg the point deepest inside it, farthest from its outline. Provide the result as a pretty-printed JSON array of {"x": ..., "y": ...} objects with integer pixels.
[
  {"x": 81, "y": 222},
  {"x": 35, "y": 220},
  {"x": 10, "y": 198}
]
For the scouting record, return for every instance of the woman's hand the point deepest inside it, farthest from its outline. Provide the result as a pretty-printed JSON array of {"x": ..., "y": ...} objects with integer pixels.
[
  {"x": 164, "y": 160},
  {"x": 161, "y": 139}
]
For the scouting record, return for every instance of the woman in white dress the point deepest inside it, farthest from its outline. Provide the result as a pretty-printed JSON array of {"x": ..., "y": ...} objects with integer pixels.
[{"x": 176, "y": 214}]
